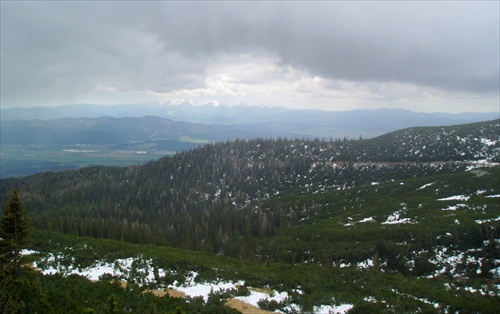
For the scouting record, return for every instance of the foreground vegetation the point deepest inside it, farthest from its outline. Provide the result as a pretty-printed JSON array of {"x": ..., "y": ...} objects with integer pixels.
[
  {"x": 320, "y": 256},
  {"x": 369, "y": 290}
]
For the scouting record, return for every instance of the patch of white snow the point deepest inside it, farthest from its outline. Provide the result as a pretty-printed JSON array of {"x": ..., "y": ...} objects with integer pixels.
[
  {"x": 455, "y": 198},
  {"x": 426, "y": 185},
  {"x": 369, "y": 219}
]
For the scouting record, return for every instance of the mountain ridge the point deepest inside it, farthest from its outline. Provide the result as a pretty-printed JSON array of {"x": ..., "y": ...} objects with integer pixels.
[{"x": 213, "y": 112}]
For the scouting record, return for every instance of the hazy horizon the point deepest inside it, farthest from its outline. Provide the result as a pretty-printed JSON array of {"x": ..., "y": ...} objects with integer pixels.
[{"x": 233, "y": 104}]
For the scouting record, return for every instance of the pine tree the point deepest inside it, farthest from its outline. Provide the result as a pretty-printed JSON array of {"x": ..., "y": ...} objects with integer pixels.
[
  {"x": 112, "y": 305},
  {"x": 14, "y": 231}
]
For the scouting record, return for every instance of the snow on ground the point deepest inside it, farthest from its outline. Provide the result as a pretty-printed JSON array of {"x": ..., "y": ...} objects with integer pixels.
[
  {"x": 93, "y": 273},
  {"x": 395, "y": 218},
  {"x": 482, "y": 221},
  {"x": 365, "y": 264},
  {"x": 27, "y": 252},
  {"x": 496, "y": 271},
  {"x": 256, "y": 296},
  {"x": 454, "y": 262},
  {"x": 426, "y": 185},
  {"x": 448, "y": 259},
  {"x": 455, "y": 207},
  {"x": 192, "y": 289},
  {"x": 333, "y": 309},
  {"x": 485, "y": 290},
  {"x": 352, "y": 223},
  {"x": 143, "y": 272},
  {"x": 464, "y": 198},
  {"x": 369, "y": 219},
  {"x": 493, "y": 196},
  {"x": 204, "y": 289},
  {"x": 323, "y": 309},
  {"x": 488, "y": 142}
]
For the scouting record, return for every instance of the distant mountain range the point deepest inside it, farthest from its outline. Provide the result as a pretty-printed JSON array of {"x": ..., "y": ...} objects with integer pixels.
[
  {"x": 42, "y": 139},
  {"x": 246, "y": 120}
]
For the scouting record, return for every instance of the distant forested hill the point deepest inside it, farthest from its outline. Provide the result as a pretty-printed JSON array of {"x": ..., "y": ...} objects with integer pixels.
[{"x": 34, "y": 140}]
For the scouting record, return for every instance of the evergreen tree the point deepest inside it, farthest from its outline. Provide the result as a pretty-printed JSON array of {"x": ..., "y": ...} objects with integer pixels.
[
  {"x": 14, "y": 230},
  {"x": 112, "y": 305}
]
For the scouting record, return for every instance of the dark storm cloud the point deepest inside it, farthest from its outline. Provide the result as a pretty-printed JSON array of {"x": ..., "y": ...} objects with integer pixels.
[
  {"x": 77, "y": 47},
  {"x": 450, "y": 45}
]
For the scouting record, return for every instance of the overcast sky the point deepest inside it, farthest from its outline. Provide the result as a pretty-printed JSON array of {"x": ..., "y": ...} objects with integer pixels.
[{"x": 423, "y": 56}]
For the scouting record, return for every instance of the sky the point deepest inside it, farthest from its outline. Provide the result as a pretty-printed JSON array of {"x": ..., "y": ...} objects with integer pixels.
[{"x": 423, "y": 56}]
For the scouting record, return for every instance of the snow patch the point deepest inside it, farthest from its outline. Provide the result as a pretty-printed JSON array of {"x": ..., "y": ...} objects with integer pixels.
[
  {"x": 256, "y": 296},
  {"x": 455, "y": 198},
  {"x": 395, "y": 218},
  {"x": 369, "y": 219},
  {"x": 455, "y": 207},
  {"x": 493, "y": 196},
  {"x": 365, "y": 264},
  {"x": 482, "y": 221},
  {"x": 333, "y": 309},
  {"x": 121, "y": 268},
  {"x": 426, "y": 185},
  {"x": 204, "y": 289},
  {"x": 27, "y": 252},
  {"x": 488, "y": 142}
]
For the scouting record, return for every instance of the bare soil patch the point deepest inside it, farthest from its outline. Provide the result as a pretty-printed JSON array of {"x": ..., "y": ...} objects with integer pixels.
[
  {"x": 171, "y": 292},
  {"x": 245, "y": 308}
]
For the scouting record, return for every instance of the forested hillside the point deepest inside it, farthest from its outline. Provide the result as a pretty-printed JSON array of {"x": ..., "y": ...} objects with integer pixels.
[
  {"x": 405, "y": 222},
  {"x": 198, "y": 198}
]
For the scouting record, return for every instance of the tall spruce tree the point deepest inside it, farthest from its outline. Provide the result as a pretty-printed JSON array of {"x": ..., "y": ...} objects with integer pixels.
[{"x": 14, "y": 231}]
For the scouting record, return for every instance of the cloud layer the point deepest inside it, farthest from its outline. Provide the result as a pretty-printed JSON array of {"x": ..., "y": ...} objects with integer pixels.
[{"x": 426, "y": 56}]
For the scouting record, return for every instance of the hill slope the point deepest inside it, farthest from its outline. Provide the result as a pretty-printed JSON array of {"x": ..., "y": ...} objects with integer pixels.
[
  {"x": 160, "y": 201},
  {"x": 405, "y": 222}
]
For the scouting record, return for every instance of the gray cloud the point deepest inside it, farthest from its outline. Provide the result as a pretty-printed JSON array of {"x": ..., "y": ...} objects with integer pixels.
[{"x": 70, "y": 49}]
